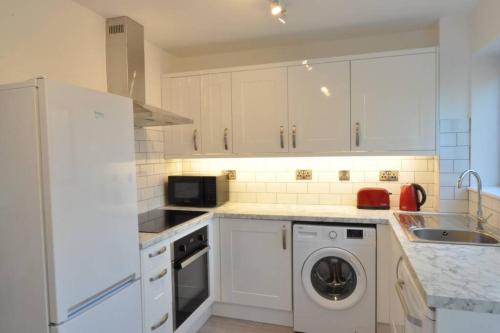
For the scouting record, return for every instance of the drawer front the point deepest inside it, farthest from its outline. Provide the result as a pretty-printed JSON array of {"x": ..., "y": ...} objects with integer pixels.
[
  {"x": 155, "y": 258},
  {"x": 157, "y": 288}
]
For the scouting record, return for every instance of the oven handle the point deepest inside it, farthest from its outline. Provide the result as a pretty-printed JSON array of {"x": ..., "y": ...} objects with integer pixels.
[{"x": 189, "y": 260}]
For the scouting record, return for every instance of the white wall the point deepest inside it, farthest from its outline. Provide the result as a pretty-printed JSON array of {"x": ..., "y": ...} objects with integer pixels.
[
  {"x": 329, "y": 48},
  {"x": 56, "y": 38},
  {"x": 485, "y": 125},
  {"x": 485, "y": 24},
  {"x": 454, "y": 109}
]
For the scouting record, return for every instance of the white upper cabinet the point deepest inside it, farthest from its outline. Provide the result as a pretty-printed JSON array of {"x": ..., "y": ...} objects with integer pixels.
[
  {"x": 319, "y": 107},
  {"x": 259, "y": 103},
  {"x": 216, "y": 124},
  {"x": 182, "y": 95},
  {"x": 394, "y": 103}
]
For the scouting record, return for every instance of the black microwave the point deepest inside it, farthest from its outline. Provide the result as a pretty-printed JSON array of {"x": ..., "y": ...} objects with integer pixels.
[{"x": 198, "y": 191}]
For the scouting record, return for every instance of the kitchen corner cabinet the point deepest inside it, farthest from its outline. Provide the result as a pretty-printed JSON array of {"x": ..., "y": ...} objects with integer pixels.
[
  {"x": 394, "y": 103},
  {"x": 216, "y": 121},
  {"x": 256, "y": 264},
  {"x": 260, "y": 115},
  {"x": 182, "y": 95},
  {"x": 319, "y": 107},
  {"x": 157, "y": 288}
]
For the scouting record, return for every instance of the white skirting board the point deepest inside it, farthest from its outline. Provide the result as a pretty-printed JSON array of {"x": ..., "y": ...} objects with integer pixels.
[{"x": 268, "y": 316}]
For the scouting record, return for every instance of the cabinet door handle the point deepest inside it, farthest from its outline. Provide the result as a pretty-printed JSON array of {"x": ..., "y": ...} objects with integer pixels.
[
  {"x": 226, "y": 146},
  {"x": 283, "y": 237},
  {"x": 195, "y": 140},
  {"x": 162, "y": 274},
  {"x": 400, "y": 260},
  {"x": 162, "y": 321},
  {"x": 294, "y": 136},
  {"x": 159, "y": 252},
  {"x": 282, "y": 139},
  {"x": 357, "y": 134}
]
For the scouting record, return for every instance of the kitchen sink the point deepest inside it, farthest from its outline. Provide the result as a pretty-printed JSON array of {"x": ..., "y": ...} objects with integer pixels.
[
  {"x": 447, "y": 228},
  {"x": 454, "y": 236}
]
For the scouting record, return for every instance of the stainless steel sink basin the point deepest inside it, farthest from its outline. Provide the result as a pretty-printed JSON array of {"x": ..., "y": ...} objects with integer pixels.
[
  {"x": 448, "y": 228},
  {"x": 454, "y": 236}
]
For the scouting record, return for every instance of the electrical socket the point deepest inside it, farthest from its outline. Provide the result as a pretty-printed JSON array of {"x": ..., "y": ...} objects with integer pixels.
[
  {"x": 303, "y": 174},
  {"x": 344, "y": 175},
  {"x": 231, "y": 174},
  {"x": 388, "y": 175}
]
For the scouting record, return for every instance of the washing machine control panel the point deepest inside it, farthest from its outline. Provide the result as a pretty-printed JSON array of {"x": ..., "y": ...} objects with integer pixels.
[
  {"x": 355, "y": 233},
  {"x": 332, "y": 234}
]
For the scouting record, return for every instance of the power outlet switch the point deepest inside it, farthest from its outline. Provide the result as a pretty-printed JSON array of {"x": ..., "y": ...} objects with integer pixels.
[
  {"x": 303, "y": 174},
  {"x": 389, "y": 175}
]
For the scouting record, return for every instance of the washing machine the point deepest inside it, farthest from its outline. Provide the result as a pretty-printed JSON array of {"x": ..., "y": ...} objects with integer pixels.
[{"x": 334, "y": 278}]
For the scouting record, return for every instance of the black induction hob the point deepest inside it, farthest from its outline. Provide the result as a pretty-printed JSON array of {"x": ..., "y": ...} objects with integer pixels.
[{"x": 159, "y": 220}]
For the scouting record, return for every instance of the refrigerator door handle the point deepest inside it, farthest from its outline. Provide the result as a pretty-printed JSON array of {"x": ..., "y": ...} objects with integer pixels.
[{"x": 83, "y": 306}]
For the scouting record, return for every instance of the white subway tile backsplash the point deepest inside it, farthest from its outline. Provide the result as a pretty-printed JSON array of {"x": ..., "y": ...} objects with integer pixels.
[
  {"x": 460, "y": 165},
  {"x": 448, "y": 139},
  {"x": 450, "y": 153},
  {"x": 463, "y": 139},
  {"x": 454, "y": 125},
  {"x": 445, "y": 165},
  {"x": 273, "y": 179}
]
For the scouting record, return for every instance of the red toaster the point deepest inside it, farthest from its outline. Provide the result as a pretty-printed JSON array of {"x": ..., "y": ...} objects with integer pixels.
[{"x": 373, "y": 198}]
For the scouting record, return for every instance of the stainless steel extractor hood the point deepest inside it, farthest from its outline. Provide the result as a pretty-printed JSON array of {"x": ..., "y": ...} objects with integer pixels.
[{"x": 126, "y": 74}]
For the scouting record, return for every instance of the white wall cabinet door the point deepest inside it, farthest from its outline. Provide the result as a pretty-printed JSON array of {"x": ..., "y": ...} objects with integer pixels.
[
  {"x": 259, "y": 102},
  {"x": 394, "y": 103},
  {"x": 319, "y": 107},
  {"x": 216, "y": 122},
  {"x": 182, "y": 95},
  {"x": 256, "y": 259}
]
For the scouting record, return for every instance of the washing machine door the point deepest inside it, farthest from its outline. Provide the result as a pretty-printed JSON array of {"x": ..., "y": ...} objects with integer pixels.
[{"x": 334, "y": 278}]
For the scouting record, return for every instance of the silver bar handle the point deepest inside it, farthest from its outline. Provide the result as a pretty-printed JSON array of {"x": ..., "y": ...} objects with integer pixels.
[
  {"x": 294, "y": 136},
  {"x": 195, "y": 140},
  {"x": 162, "y": 321},
  {"x": 83, "y": 306},
  {"x": 357, "y": 134},
  {"x": 162, "y": 274},
  {"x": 411, "y": 318},
  {"x": 283, "y": 237},
  {"x": 282, "y": 139},
  {"x": 186, "y": 262},
  {"x": 226, "y": 146},
  {"x": 157, "y": 253}
]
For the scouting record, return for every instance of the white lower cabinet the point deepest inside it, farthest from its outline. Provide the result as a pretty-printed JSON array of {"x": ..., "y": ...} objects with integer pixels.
[
  {"x": 157, "y": 288},
  {"x": 396, "y": 312},
  {"x": 256, "y": 263}
]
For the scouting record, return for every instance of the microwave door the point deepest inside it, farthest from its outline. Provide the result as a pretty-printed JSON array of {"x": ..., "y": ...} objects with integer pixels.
[{"x": 186, "y": 191}]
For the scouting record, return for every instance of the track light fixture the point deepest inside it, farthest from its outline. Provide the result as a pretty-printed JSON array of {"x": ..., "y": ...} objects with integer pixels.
[{"x": 278, "y": 9}]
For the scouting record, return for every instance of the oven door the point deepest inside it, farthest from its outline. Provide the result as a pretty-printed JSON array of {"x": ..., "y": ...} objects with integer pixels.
[
  {"x": 187, "y": 191},
  {"x": 191, "y": 285}
]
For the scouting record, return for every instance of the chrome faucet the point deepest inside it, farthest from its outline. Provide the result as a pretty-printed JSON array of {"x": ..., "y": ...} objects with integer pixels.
[{"x": 479, "y": 212}]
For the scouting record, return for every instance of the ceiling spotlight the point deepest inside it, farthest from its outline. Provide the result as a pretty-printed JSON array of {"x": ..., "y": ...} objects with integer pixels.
[{"x": 277, "y": 7}]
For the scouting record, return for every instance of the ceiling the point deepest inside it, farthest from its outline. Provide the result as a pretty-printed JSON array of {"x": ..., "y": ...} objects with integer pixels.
[{"x": 188, "y": 27}]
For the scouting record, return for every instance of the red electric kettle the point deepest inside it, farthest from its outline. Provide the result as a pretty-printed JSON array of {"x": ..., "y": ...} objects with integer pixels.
[{"x": 409, "y": 199}]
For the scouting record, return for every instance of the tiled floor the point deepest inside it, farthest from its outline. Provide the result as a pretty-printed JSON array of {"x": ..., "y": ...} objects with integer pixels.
[{"x": 226, "y": 325}]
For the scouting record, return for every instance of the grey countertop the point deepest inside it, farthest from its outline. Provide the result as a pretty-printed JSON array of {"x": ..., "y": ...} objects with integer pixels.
[{"x": 459, "y": 277}]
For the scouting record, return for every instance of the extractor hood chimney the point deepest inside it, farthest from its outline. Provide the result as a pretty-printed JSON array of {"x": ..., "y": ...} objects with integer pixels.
[{"x": 126, "y": 74}]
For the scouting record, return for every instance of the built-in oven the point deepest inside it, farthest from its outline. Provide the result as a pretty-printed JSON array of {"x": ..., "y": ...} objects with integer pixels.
[{"x": 190, "y": 274}]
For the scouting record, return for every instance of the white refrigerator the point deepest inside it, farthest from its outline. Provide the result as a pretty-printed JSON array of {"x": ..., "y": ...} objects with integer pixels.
[{"x": 69, "y": 248}]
